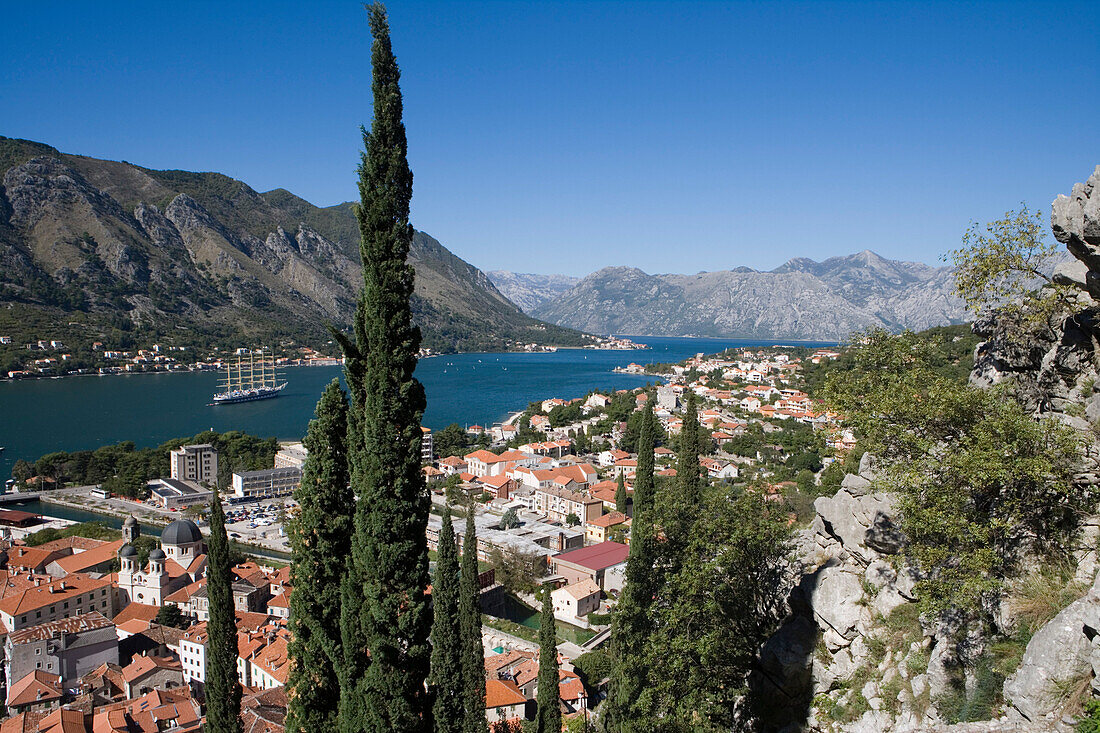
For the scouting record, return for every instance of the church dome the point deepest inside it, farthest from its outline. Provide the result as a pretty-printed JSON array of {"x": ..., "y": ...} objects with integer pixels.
[
  {"x": 181, "y": 532},
  {"x": 127, "y": 551},
  {"x": 157, "y": 554}
]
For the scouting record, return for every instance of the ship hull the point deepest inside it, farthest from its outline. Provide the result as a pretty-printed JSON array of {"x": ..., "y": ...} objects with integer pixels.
[{"x": 248, "y": 395}]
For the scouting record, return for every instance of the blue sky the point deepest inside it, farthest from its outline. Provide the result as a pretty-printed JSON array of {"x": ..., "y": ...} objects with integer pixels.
[{"x": 563, "y": 137}]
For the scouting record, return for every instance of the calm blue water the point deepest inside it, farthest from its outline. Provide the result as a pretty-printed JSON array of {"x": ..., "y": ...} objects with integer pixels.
[{"x": 43, "y": 415}]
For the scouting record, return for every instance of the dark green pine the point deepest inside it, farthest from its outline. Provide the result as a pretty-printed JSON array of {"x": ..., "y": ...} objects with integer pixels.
[
  {"x": 385, "y": 619},
  {"x": 547, "y": 696},
  {"x": 631, "y": 622},
  {"x": 473, "y": 653},
  {"x": 620, "y": 494},
  {"x": 448, "y": 705},
  {"x": 223, "y": 689},
  {"x": 320, "y": 537}
]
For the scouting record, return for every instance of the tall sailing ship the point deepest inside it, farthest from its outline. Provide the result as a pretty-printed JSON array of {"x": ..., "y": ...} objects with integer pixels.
[{"x": 252, "y": 376}]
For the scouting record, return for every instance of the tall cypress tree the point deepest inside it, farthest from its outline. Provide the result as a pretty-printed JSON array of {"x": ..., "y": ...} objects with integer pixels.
[
  {"x": 385, "y": 619},
  {"x": 473, "y": 652},
  {"x": 320, "y": 537},
  {"x": 448, "y": 706},
  {"x": 620, "y": 494},
  {"x": 689, "y": 476},
  {"x": 632, "y": 619},
  {"x": 548, "y": 696},
  {"x": 223, "y": 688}
]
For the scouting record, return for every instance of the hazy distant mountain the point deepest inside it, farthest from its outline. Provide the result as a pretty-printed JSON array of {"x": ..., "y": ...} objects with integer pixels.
[
  {"x": 102, "y": 247},
  {"x": 801, "y": 299},
  {"x": 528, "y": 290}
]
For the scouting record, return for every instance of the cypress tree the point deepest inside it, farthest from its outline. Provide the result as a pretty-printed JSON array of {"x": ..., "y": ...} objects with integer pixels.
[
  {"x": 385, "y": 618},
  {"x": 632, "y": 619},
  {"x": 689, "y": 476},
  {"x": 620, "y": 494},
  {"x": 223, "y": 689},
  {"x": 448, "y": 706},
  {"x": 473, "y": 653},
  {"x": 320, "y": 537},
  {"x": 547, "y": 696}
]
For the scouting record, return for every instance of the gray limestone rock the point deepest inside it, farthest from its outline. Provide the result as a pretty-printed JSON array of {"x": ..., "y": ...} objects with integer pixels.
[
  {"x": 835, "y": 598},
  {"x": 1067, "y": 647}
]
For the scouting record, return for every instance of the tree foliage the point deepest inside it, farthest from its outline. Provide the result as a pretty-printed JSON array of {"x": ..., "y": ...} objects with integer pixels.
[
  {"x": 451, "y": 441},
  {"x": 223, "y": 689},
  {"x": 445, "y": 684},
  {"x": 469, "y": 619},
  {"x": 385, "y": 618},
  {"x": 548, "y": 696},
  {"x": 320, "y": 537},
  {"x": 709, "y": 618},
  {"x": 170, "y": 615},
  {"x": 1007, "y": 264},
  {"x": 979, "y": 481}
]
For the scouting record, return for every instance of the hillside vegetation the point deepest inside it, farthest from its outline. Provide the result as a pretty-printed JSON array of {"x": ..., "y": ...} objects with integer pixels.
[{"x": 101, "y": 250}]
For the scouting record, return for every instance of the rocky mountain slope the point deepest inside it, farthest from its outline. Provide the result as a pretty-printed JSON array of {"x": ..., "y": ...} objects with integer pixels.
[
  {"x": 854, "y": 655},
  {"x": 801, "y": 299},
  {"x": 528, "y": 290},
  {"x": 204, "y": 258}
]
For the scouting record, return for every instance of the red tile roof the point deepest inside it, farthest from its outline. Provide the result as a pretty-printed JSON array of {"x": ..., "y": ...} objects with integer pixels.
[
  {"x": 499, "y": 693},
  {"x": 596, "y": 557}
]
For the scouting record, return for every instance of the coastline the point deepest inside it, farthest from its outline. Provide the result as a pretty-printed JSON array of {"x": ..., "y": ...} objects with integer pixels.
[{"x": 156, "y": 520}]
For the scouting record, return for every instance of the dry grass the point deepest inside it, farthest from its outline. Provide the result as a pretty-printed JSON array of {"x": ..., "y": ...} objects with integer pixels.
[{"x": 1039, "y": 597}]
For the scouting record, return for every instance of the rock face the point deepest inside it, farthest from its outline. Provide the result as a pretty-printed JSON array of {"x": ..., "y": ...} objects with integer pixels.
[
  {"x": 528, "y": 290},
  {"x": 1065, "y": 649},
  {"x": 801, "y": 299},
  {"x": 202, "y": 252},
  {"x": 843, "y": 583}
]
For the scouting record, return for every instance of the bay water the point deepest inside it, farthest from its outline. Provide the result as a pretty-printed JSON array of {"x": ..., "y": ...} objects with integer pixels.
[{"x": 77, "y": 413}]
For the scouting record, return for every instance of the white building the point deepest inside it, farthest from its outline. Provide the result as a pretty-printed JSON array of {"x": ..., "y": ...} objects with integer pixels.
[
  {"x": 195, "y": 463},
  {"x": 292, "y": 455},
  {"x": 266, "y": 483},
  {"x": 573, "y": 602}
]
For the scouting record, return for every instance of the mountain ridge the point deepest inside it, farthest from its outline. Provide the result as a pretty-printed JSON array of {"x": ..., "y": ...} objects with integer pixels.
[
  {"x": 802, "y": 298},
  {"x": 109, "y": 246}
]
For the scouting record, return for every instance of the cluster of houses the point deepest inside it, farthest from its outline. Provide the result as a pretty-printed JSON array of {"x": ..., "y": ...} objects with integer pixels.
[
  {"x": 155, "y": 358},
  {"x": 83, "y": 649}
]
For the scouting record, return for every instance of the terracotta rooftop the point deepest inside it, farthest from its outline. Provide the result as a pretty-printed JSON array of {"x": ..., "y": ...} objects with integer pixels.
[
  {"x": 499, "y": 693},
  {"x": 36, "y": 687}
]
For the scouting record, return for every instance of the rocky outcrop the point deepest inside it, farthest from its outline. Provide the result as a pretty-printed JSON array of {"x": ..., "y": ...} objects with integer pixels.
[
  {"x": 1066, "y": 651},
  {"x": 854, "y": 657},
  {"x": 844, "y": 584}
]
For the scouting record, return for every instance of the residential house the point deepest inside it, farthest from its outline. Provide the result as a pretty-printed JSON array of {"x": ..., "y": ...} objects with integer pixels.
[
  {"x": 598, "y": 530},
  {"x": 68, "y": 647},
  {"x": 559, "y": 503},
  {"x": 573, "y": 602},
  {"x": 591, "y": 562},
  {"x": 503, "y": 701},
  {"x": 35, "y": 691}
]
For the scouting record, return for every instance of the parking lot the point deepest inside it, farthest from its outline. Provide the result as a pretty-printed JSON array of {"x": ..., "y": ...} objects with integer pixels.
[{"x": 259, "y": 522}]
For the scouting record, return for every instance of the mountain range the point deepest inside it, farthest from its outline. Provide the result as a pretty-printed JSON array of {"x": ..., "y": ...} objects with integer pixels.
[
  {"x": 107, "y": 248},
  {"x": 801, "y": 299}
]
